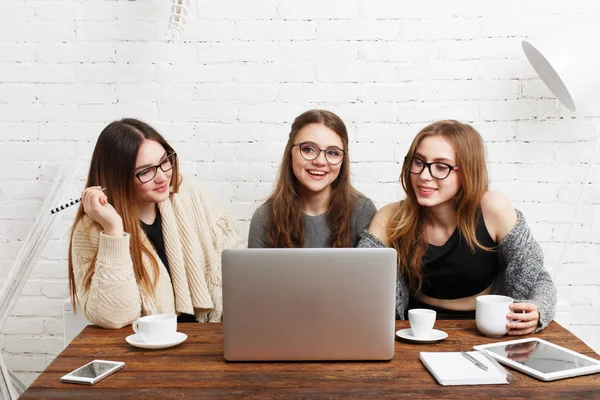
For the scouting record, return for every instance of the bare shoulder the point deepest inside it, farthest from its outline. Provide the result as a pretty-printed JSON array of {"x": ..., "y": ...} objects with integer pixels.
[
  {"x": 498, "y": 213},
  {"x": 381, "y": 221}
]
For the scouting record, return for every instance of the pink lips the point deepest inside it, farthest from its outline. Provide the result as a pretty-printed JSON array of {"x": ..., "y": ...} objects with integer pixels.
[
  {"x": 316, "y": 177},
  {"x": 162, "y": 188},
  {"x": 425, "y": 191}
]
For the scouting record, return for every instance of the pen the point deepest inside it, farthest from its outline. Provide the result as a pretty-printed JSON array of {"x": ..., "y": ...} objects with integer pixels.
[
  {"x": 69, "y": 204},
  {"x": 474, "y": 360}
]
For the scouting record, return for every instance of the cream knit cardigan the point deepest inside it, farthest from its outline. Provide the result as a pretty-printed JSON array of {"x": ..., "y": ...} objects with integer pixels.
[{"x": 195, "y": 229}]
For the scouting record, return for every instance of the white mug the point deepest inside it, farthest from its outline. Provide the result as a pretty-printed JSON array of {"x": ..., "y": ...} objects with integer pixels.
[
  {"x": 490, "y": 314},
  {"x": 421, "y": 322},
  {"x": 158, "y": 328}
]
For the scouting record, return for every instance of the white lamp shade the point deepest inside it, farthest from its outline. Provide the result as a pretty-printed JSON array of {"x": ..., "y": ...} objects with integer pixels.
[{"x": 568, "y": 61}]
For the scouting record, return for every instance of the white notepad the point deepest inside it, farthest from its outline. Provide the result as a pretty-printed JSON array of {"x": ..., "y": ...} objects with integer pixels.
[{"x": 452, "y": 368}]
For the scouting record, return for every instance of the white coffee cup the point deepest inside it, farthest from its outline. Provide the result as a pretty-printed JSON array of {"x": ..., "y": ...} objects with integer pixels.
[
  {"x": 421, "y": 322},
  {"x": 158, "y": 328},
  {"x": 490, "y": 314}
]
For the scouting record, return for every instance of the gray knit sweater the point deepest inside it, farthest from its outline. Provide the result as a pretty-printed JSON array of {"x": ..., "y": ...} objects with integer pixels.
[{"x": 522, "y": 275}]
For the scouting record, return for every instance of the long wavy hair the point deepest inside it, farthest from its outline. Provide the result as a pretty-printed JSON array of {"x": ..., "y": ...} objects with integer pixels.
[
  {"x": 285, "y": 227},
  {"x": 113, "y": 167},
  {"x": 406, "y": 230}
]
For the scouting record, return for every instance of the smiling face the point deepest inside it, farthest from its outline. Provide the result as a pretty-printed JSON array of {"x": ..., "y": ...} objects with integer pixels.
[
  {"x": 316, "y": 175},
  {"x": 156, "y": 190},
  {"x": 429, "y": 191}
]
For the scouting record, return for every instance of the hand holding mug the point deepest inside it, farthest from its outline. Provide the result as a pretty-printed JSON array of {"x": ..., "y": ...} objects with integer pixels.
[
  {"x": 96, "y": 206},
  {"x": 527, "y": 315}
]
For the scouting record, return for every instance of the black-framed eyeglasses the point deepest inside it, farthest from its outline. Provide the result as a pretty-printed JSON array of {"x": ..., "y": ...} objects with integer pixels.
[
  {"x": 148, "y": 173},
  {"x": 437, "y": 170},
  {"x": 310, "y": 151}
]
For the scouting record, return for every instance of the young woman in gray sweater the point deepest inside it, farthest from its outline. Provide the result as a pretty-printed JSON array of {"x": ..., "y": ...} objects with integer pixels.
[
  {"x": 313, "y": 203},
  {"x": 456, "y": 239}
]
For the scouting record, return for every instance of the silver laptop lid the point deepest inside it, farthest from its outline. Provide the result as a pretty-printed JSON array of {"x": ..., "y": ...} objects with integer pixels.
[{"x": 309, "y": 304}]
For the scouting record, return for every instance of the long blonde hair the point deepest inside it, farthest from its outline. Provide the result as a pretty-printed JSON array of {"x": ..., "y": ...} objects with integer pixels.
[
  {"x": 407, "y": 227},
  {"x": 113, "y": 167}
]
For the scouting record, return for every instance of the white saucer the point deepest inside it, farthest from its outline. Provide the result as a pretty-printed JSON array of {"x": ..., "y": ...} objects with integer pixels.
[
  {"x": 135, "y": 340},
  {"x": 435, "y": 336}
]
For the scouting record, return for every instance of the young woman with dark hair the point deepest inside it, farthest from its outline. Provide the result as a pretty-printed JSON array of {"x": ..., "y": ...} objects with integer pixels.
[
  {"x": 145, "y": 240},
  {"x": 313, "y": 203},
  {"x": 456, "y": 239}
]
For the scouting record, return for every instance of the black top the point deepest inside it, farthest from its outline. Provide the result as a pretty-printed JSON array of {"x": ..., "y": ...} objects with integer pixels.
[
  {"x": 453, "y": 271},
  {"x": 154, "y": 233}
]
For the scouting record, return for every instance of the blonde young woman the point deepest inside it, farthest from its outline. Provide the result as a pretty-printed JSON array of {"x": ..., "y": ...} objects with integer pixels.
[
  {"x": 313, "y": 203},
  {"x": 145, "y": 240},
  {"x": 456, "y": 239}
]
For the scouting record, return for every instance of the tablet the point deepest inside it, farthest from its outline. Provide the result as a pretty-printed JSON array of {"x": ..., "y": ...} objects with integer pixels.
[{"x": 541, "y": 359}]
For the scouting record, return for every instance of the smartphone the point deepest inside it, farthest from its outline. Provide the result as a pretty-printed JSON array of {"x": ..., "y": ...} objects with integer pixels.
[{"x": 92, "y": 372}]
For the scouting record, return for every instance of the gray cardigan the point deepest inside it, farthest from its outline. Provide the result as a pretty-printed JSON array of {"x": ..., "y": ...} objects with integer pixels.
[{"x": 522, "y": 277}]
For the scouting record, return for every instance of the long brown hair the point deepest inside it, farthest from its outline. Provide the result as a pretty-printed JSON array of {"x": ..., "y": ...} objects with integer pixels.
[
  {"x": 285, "y": 227},
  {"x": 113, "y": 167},
  {"x": 407, "y": 227}
]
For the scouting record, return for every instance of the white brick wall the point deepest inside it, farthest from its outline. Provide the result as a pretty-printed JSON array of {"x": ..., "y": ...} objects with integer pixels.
[{"x": 226, "y": 95}]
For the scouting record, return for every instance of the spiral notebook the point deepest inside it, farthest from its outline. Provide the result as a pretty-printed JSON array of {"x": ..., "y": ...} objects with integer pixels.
[{"x": 453, "y": 368}]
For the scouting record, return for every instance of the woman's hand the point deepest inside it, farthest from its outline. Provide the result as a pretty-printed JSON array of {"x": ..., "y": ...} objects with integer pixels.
[
  {"x": 96, "y": 206},
  {"x": 525, "y": 316}
]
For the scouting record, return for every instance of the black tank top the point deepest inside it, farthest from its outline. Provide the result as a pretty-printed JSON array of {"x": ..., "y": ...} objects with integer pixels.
[{"x": 453, "y": 271}]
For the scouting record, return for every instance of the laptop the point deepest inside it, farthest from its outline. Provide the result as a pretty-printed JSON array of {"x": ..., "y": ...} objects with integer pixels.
[{"x": 308, "y": 304}]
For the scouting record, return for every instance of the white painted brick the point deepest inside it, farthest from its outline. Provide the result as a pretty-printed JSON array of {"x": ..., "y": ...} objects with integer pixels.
[
  {"x": 477, "y": 90},
  {"x": 236, "y": 92},
  {"x": 518, "y": 191},
  {"x": 268, "y": 30},
  {"x": 559, "y": 7},
  {"x": 151, "y": 91},
  {"x": 49, "y": 10},
  {"x": 398, "y": 51},
  {"x": 172, "y": 131},
  {"x": 210, "y": 31},
  {"x": 32, "y": 73},
  {"x": 60, "y": 131},
  {"x": 148, "y": 10},
  {"x": 112, "y": 73},
  {"x": 586, "y": 232},
  {"x": 318, "y": 51},
  {"x": 585, "y": 314},
  {"x": 19, "y": 170},
  {"x": 198, "y": 111},
  {"x": 384, "y": 9},
  {"x": 193, "y": 73},
  {"x": 480, "y": 49},
  {"x": 23, "y": 326},
  {"x": 109, "y": 112},
  {"x": 252, "y": 191},
  {"x": 496, "y": 131},
  {"x": 34, "y": 344},
  {"x": 231, "y": 10},
  {"x": 359, "y": 71},
  {"x": 433, "y": 111},
  {"x": 470, "y": 8},
  {"x": 54, "y": 326},
  {"x": 438, "y": 28},
  {"x": 155, "y": 53},
  {"x": 569, "y": 193},
  {"x": 276, "y": 113},
  {"x": 38, "y": 112},
  {"x": 27, "y": 377},
  {"x": 399, "y": 92},
  {"x": 114, "y": 31},
  {"x": 386, "y": 172},
  {"x": 387, "y": 132},
  {"x": 271, "y": 72},
  {"x": 542, "y": 232},
  {"x": 55, "y": 249},
  {"x": 240, "y": 171},
  {"x": 536, "y": 89},
  {"x": 556, "y": 131},
  {"x": 38, "y": 307},
  {"x": 554, "y": 213},
  {"x": 14, "y": 10},
  {"x": 75, "y": 93},
  {"x": 574, "y": 151},
  {"x": 315, "y": 9},
  {"x": 372, "y": 152},
  {"x": 362, "y": 113},
  {"x": 26, "y": 362},
  {"x": 581, "y": 294},
  {"x": 37, "y": 32},
  {"x": 259, "y": 152},
  {"x": 17, "y": 131},
  {"x": 520, "y": 152},
  {"x": 316, "y": 92},
  {"x": 74, "y": 53},
  {"x": 56, "y": 289},
  {"x": 50, "y": 269},
  {"x": 243, "y": 133},
  {"x": 207, "y": 152},
  {"x": 358, "y": 30},
  {"x": 21, "y": 52},
  {"x": 26, "y": 189}
]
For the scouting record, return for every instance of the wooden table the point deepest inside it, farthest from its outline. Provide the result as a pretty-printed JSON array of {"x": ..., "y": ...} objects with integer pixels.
[{"x": 196, "y": 369}]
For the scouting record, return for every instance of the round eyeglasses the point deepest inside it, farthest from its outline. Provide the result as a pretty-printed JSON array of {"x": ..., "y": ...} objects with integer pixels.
[
  {"x": 437, "y": 170},
  {"x": 310, "y": 151},
  {"x": 148, "y": 173}
]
